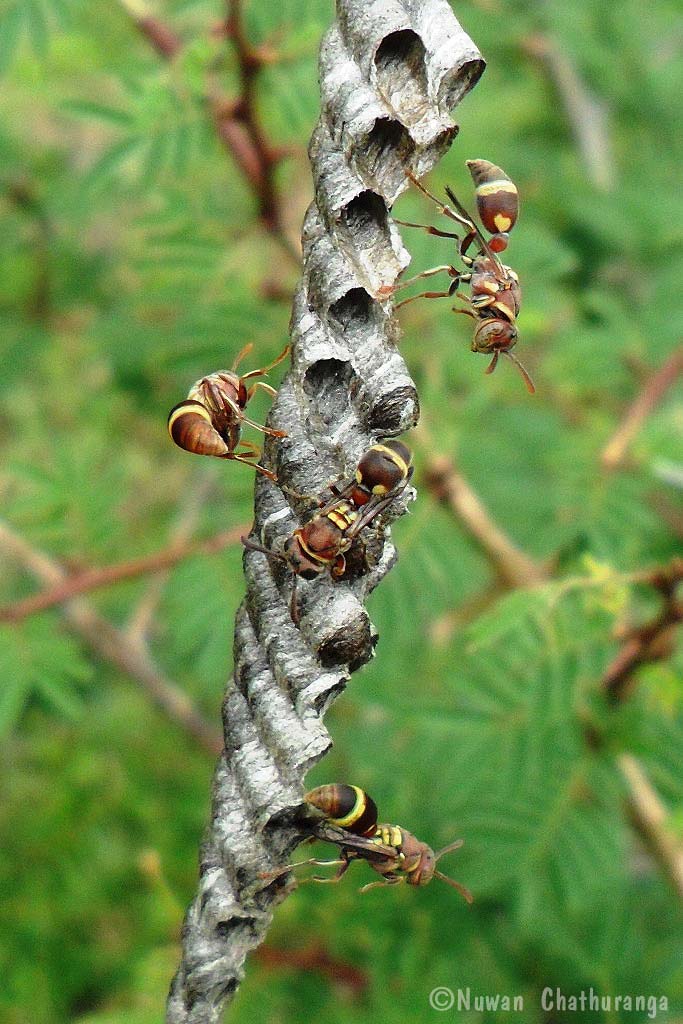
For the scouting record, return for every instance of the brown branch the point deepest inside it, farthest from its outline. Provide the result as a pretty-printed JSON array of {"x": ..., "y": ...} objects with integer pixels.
[
  {"x": 650, "y": 396},
  {"x": 314, "y": 958},
  {"x": 586, "y": 113},
  {"x": 642, "y": 645},
  {"x": 651, "y": 641},
  {"x": 512, "y": 566},
  {"x": 237, "y": 122},
  {"x": 249, "y": 63},
  {"x": 649, "y": 818},
  {"x": 92, "y": 579},
  {"x": 187, "y": 515},
  {"x": 113, "y": 645},
  {"x": 160, "y": 36}
]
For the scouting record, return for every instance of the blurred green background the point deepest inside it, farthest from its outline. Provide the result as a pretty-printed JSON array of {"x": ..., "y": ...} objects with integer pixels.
[{"x": 134, "y": 262}]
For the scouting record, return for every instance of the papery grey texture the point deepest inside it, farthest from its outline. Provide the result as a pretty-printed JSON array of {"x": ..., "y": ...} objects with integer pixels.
[{"x": 390, "y": 70}]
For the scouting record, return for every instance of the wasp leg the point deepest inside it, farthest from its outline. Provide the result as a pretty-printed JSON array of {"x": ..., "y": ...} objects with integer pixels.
[
  {"x": 302, "y": 864},
  {"x": 382, "y": 885},
  {"x": 428, "y": 228},
  {"x": 264, "y": 369},
  {"x": 445, "y": 268},
  {"x": 265, "y": 387},
  {"x": 344, "y": 865},
  {"x": 294, "y": 604},
  {"x": 249, "y": 461},
  {"x": 249, "y": 446},
  {"x": 461, "y": 217},
  {"x": 430, "y": 295},
  {"x": 494, "y": 362}
]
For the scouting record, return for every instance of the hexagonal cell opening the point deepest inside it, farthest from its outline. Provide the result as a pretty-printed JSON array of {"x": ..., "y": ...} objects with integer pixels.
[{"x": 400, "y": 61}]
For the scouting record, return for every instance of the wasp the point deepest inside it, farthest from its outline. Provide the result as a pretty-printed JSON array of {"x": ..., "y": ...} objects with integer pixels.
[
  {"x": 210, "y": 420},
  {"x": 322, "y": 542},
  {"x": 495, "y": 294},
  {"x": 350, "y": 822}
]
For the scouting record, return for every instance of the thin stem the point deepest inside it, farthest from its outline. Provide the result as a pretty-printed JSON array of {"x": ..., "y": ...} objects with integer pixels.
[
  {"x": 653, "y": 391},
  {"x": 113, "y": 645},
  {"x": 93, "y": 579}
]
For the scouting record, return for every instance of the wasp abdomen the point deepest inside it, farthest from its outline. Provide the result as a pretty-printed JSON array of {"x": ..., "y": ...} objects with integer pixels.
[
  {"x": 382, "y": 468},
  {"x": 497, "y": 199},
  {"x": 346, "y": 806},
  {"x": 190, "y": 426}
]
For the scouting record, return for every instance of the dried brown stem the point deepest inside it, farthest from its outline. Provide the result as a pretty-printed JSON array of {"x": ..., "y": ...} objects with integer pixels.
[
  {"x": 237, "y": 122},
  {"x": 649, "y": 818},
  {"x": 245, "y": 116},
  {"x": 93, "y": 579},
  {"x": 160, "y": 36},
  {"x": 113, "y": 645},
  {"x": 512, "y": 567},
  {"x": 317, "y": 959},
  {"x": 187, "y": 516},
  {"x": 654, "y": 389},
  {"x": 651, "y": 641},
  {"x": 644, "y": 644},
  {"x": 587, "y": 114}
]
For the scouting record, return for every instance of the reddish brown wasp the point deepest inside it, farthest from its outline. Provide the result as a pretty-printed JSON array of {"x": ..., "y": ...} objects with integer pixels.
[
  {"x": 210, "y": 420},
  {"x": 350, "y": 822},
  {"x": 322, "y": 542},
  {"x": 495, "y": 294}
]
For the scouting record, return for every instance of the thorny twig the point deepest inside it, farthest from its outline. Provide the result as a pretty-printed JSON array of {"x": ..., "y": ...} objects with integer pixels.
[
  {"x": 512, "y": 566},
  {"x": 642, "y": 645},
  {"x": 651, "y": 394},
  {"x": 94, "y": 579},
  {"x": 113, "y": 645},
  {"x": 650, "y": 820},
  {"x": 187, "y": 515},
  {"x": 651, "y": 641},
  {"x": 587, "y": 114},
  {"x": 236, "y": 120}
]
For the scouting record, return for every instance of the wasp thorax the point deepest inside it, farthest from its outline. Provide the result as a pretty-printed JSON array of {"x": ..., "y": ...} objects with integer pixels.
[
  {"x": 300, "y": 562},
  {"x": 497, "y": 200},
  {"x": 426, "y": 864},
  {"x": 346, "y": 806}
]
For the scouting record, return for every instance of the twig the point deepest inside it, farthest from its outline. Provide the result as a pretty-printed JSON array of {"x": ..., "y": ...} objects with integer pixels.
[
  {"x": 185, "y": 522},
  {"x": 650, "y": 396},
  {"x": 236, "y": 121},
  {"x": 160, "y": 36},
  {"x": 245, "y": 114},
  {"x": 588, "y": 115},
  {"x": 649, "y": 818},
  {"x": 315, "y": 959},
  {"x": 651, "y": 641},
  {"x": 112, "y": 644},
  {"x": 644, "y": 644},
  {"x": 512, "y": 566},
  {"x": 94, "y": 579},
  {"x": 347, "y": 387}
]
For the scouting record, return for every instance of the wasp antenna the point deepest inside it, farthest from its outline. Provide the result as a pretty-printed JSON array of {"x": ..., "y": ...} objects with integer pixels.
[
  {"x": 494, "y": 362},
  {"x": 448, "y": 849},
  {"x": 465, "y": 893},
  {"x": 241, "y": 354},
  {"x": 253, "y": 546},
  {"x": 530, "y": 386}
]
